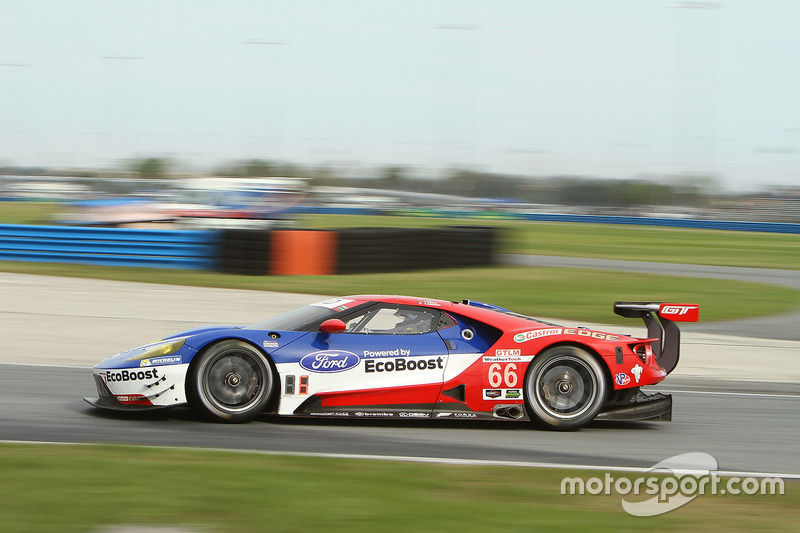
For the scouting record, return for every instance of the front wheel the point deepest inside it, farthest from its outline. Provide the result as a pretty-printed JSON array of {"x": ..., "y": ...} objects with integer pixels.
[
  {"x": 565, "y": 388},
  {"x": 231, "y": 381}
]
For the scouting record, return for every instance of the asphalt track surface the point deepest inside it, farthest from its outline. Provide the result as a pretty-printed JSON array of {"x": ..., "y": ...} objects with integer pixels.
[
  {"x": 53, "y": 329},
  {"x": 754, "y": 428}
]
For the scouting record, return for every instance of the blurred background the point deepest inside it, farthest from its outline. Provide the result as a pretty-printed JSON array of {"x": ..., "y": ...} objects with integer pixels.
[{"x": 631, "y": 107}]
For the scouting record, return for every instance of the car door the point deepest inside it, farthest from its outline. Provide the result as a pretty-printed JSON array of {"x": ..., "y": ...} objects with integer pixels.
[{"x": 389, "y": 362}]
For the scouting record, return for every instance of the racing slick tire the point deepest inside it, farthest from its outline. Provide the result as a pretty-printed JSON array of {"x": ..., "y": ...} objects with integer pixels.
[
  {"x": 231, "y": 381},
  {"x": 565, "y": 388}
]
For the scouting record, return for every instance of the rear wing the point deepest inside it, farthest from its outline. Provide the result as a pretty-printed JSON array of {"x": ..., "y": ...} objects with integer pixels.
[{"x": 660, "y": 320}]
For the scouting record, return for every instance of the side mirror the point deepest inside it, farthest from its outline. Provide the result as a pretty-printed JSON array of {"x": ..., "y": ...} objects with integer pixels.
[{"x": 332, "y": 325}]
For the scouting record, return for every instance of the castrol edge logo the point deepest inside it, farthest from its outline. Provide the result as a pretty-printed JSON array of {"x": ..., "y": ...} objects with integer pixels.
[{"x": 680, "y": 312}]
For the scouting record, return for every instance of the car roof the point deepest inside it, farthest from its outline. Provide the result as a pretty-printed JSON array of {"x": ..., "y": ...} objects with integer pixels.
[{"x": 497, "y": 318}]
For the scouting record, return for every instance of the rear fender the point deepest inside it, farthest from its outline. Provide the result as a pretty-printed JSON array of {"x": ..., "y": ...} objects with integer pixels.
[{"x": 588, "y": 349}]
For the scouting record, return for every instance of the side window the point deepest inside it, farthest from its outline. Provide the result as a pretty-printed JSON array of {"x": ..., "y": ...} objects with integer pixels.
[{"x": 394, "y": 320}]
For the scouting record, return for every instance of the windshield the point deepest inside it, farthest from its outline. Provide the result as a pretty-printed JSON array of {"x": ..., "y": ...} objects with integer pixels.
[
  {"x": 297, "y": 320},
  {"x": 307, "y": 318}
]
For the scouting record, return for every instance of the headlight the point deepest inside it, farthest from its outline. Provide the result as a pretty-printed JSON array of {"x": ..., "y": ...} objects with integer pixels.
[{"x": 158, "y": 350}]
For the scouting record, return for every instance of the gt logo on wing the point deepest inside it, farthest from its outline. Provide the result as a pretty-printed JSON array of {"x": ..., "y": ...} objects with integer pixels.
[
  {"x": 677, "y": 309},
  {"x": 680, "y": 312}
]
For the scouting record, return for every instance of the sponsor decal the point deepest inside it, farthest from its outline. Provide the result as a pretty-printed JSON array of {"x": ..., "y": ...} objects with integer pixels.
[
  {"x": 414, "y": 415},
  {"x": 590, "y": 333},
  {"x": 330, "y": 413},
  {"x": 112, "y": 376},
  {"x": 402, "y": 364},
  {"x": 637, "y": 372},
  {"x": 536, "y": 333},
  {"x": 387, "y": 353},
  {"x": 465, "y": 415},
  {"x": 132, "y": 398},
  {"x": 270, "y": 344},
  {"x": 443, "y": 415},
  {"x": 507, "y": 394},
  {"x": 622, "y": 379},
  {"x": 363, "y": 413},
  {"x": 165, "y": 360},
  {"x": 329, "y": 361},
  {"x": 508, "y": 353},
  {"x": 432, "y": 303},
  {"x": 515, "y": 359}
]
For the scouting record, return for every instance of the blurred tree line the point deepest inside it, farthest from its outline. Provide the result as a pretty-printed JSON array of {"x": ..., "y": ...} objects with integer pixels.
[{"x": 694, "y": 191}]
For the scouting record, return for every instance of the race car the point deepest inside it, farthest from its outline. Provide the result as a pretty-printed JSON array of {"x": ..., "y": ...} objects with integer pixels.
[{"x": 404, "y": 357}]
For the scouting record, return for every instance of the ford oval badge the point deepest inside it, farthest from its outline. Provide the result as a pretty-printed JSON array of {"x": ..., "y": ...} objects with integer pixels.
[{"x": 329, "y": 361}]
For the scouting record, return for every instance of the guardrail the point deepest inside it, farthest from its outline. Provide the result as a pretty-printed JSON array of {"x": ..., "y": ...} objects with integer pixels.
[
  {"x": 760, "y": 227},
  {"x": 712, "y": 224},
  {"x": 109, "y": 246}
]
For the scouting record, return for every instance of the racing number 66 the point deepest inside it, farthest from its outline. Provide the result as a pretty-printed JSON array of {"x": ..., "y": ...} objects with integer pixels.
[{"x": 498, "y": 375}]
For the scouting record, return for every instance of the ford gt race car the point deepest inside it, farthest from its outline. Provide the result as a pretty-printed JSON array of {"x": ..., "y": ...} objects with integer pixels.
[{"x": 405, "y": 357}]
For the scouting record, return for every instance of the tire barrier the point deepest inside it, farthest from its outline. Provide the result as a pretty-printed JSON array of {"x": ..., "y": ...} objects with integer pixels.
[
  {"x": 109, "y": 246},
  {"x": 368, "y": 250},
  {"x": 356, "y": 250},
  {"x": 365, "y": 250},
  {"x": 245, "y": 252}
]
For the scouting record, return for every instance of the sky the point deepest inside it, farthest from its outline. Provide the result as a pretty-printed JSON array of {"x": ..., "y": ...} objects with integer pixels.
[{"x": 603, "y": 88}]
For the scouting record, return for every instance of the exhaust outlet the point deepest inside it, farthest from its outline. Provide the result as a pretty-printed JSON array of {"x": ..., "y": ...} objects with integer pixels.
[{"x": 513, "y": 411}]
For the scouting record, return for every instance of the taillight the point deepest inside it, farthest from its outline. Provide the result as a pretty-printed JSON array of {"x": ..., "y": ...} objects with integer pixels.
[{"x": 643, "y": 351}]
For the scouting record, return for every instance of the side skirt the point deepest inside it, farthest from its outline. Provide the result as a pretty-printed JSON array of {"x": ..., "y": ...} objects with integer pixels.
[{"x": 656, "y": 406}]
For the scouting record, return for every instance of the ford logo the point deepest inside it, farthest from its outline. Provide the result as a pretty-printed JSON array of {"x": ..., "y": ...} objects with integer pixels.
[{"x": 329, "y": 361}]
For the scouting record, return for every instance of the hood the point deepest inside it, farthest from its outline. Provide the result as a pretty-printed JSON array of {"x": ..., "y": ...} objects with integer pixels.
[{"x": 197, "y": 331}]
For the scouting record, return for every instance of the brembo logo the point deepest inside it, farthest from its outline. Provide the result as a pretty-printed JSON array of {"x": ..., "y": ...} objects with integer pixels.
[{"x": 329, "y": 361}]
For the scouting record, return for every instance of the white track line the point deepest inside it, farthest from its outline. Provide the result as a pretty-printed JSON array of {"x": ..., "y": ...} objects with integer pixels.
[
  {"x": 756, "y": 394},
  {"x": 410, "y": 459}
]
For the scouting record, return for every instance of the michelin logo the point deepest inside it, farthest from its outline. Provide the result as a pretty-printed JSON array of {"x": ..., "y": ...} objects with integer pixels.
[{"x": 165, "y": 360}]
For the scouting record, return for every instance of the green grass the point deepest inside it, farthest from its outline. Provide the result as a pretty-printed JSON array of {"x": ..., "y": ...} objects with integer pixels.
[
  {"x": 608, "y": 241},
  {"x": 83, "y": 488},
  {"x": 577, "y": 294},
  {"x": 28, "y": 212}
]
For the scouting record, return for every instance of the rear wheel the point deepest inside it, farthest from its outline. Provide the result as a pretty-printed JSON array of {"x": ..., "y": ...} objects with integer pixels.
[
  {"x": 231, "y": 381},
  {"x": 565, "y": 388}
]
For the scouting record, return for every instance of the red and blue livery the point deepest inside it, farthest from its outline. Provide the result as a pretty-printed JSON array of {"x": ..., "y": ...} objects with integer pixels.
[{"x": 405, "y": 357}]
